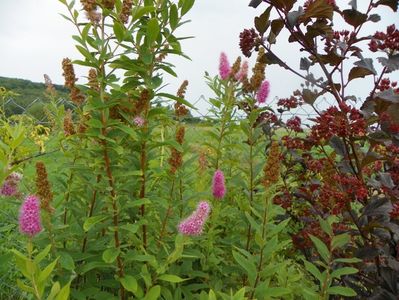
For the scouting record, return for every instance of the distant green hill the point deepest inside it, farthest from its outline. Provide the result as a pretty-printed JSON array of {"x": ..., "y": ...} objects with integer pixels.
[{"x": 31, "y": 95}]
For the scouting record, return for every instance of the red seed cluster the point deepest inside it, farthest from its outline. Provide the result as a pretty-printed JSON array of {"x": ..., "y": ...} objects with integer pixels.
[
  {"x": 388, "y": 41},
  {"x": 343, "y": 123},
  {"x": 293, "y": 143},
  {"x": 338, "y": 39},
  {"x": 248, "y": 41},
  {"x": 386, "y": 84},
  {"x": 294, "y": 124},
  {"x": 289, "y": 103}
]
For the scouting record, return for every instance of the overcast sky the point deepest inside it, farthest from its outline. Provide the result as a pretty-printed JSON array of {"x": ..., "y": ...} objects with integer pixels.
[{"x": 35, "y": 39}]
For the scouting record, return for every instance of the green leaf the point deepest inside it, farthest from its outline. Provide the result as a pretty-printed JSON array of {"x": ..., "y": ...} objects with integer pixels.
[
  {"x": 178, "y": 99},
  {"x": 248, "y": 265},
  {"x": 66, "y": 261},
  {"x": 39, "y": 257},
  {"x": 240, "y": 295},
  {"x": 326, "y": 227},
  {"x": 173, "y": 16},
  {"x": 47, "y": 271},
  {"x": 143, "y": 10},
  {"x": 321, "y": 248},
  {"x": 343, "y": 271},
  {"x": 55, "y": 289},
  {"x": 110, "y": 255},
  {"x": 277, "y": 291},
  {"x": 152, "y": 30},
  {"x": 212, "y": 295},
  {"x": 24, "y": 287},
  {"x": 171, "y": 278},
  {"x": 153, "y": 293},
  {"x": 90, "y": 222},
  {"x": 119, "y": 31},
  {"x": 348, "y": 260},
  {"x": 341, "y": 290},
  {"x": 313, "y": 270},
  {"x": 129, "y": 283},
  {"x": 187, "y": 5},
  {"x": 339, "y": 241},
  {"x": 64, "y": 293}
]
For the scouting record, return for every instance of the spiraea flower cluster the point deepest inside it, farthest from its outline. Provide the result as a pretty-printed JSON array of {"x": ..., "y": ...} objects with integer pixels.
[
  {"x": 10, "y": 185},
  {"x": 218, "y": 185},
  {"x": 29, "y": 216},
  {"x": 194, "y": 224},
  {"x": 238, "y": 71}
]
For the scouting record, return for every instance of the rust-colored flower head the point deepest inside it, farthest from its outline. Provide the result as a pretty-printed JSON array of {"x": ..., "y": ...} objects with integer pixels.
[
  {"x": 90, "y": 7},
  {"x": 69, "y": 73},
  {"x": 69, "y": 129},
  {"x": 108, "y": 4},
  {"x": 93, "y": 80},
  {"x": 180, "y": 134},
  {"x": 175, "y": 161},
  {"x": 180, "y": 109},
  {"x": 271, "y": 170},
  {"x": 70, "y": 79},
  {"x": 176, "y": 157},
  {"x": 236, "y": 67},
  {"x": 43, "y": 188},
  {"x": 82, "y": 126},
  {"x": 126, "y": 10},
  {"x": 163, "y": 54},
  {"x": 258, "y": 71},
  {"x": 181, "y": 92},
  {"x": 202, "y": 161},
  {"x": 76, "y": 96},
  {"x": 49, "y": 86},
  {"x": 142, "y": 104}
]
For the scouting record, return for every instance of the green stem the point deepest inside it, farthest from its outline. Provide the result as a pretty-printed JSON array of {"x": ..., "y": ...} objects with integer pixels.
[{"x": 34, "y": 285}]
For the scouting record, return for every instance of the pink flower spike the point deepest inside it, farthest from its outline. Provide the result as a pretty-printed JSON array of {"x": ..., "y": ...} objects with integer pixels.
[
  {"x": 139, "y": 121},
  {"x": 243, "y": 71},
  {"x": 218, "y": 185},
  {"x": 194, "y": 224},
  {"x": 29, "y": 216},
  {"x": 224, "y": 66},
  {"x": 263, "y": 92}
]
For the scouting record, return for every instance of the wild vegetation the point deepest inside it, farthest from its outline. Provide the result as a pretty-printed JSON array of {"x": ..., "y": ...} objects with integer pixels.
[{"x": 124, "y": 202}]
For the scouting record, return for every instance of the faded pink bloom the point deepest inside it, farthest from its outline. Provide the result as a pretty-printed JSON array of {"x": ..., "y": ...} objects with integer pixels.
[
  {"x": 194, "y": 224},
  {"x": 263, "y": 92},
  {"x": 224, "y": 66},
  {"x": 139, "y": 121},
  {"x": 29, "y": 216},
  {"x": 10, "y": 185},
  {"x": 243, "y": 71},
  {"x": 218, "y": 185}
]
